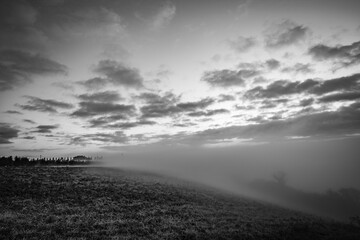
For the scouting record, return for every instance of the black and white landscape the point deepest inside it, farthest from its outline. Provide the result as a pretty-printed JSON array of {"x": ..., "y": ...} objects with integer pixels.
[{"x": 179, "y": 119}]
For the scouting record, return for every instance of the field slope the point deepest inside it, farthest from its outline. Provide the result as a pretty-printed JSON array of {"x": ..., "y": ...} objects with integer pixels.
[{"x": 96, "y": 203}]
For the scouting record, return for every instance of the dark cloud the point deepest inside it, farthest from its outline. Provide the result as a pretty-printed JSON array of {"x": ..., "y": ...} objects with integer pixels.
[
  {"x": 45, "y": 128},
  {"x": 117, "y": 137},
  {"x": 306, "y": 102},
  {"x": 284, "y": 87},
  {"x": 158, "y": 105},
  {"x": 128, "y": 125},
  {"x": 30, "y": 63},
  {"x": 242, "y": 44},
  {"x": 18, "y": 26},
  {"x": 225, "y": 98},
  {"x": 7, "y": 132},
  {"x": 29, "y": 137},
  {"x": 260, "y": 79},
  {"x": 208, "y": 113},
  {"x": 168, "y": 105},
  {"x": 158, "y": 110},
  {"x": 94, "y": 83},
  {"x": 280, "y": 88},
  {"x": 13, "y": 112},
  {"x": 257, "y": 119},
  {"x": 106, "y": 96},
  {"x": 299, "y": 68},
  {"x": 88, "y": 109},
  {"x": 343, "y": 83},
  {"x": 153, "y": 98},
  {"x": 100, "y": 121},
  {"x": 267, "y": 104},
  {"x": 190, "y": 106},
  {"x": 224, "y": 78},
  {"x": 285, "y": 34},
  {"x": 345, "y": 55},
  {"x": 343, "y": 96},
  {"x": 119, "y": 74},
  {"x": 18, "y": 67},
  {"x": 29, "y": 121},
  {"x": 333, "y": 123},
  {"x": 272, "y": 64},
  {"x": 44, "y": 105}
]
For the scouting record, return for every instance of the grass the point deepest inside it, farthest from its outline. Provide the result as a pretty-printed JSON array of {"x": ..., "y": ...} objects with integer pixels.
[{"x": 97, "y": 203}]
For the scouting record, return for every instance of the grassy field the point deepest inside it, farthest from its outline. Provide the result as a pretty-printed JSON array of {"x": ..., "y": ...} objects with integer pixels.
[{"x": 96, "y": 203}]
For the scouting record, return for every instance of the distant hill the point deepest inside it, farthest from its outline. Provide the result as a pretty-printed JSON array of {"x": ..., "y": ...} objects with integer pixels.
[
  {"x": 98, "y": 203},
  {"x": 341, "y": 204}
]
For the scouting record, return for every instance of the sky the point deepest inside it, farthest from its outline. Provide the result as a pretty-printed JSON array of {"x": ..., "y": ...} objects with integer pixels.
[{"x": 109, "y": 77}]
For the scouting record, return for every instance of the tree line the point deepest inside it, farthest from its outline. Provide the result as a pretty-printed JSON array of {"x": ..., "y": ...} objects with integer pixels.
[{"x": 25, "y": 161}]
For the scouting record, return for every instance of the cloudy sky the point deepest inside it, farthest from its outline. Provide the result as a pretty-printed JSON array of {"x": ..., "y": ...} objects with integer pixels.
[{"x": 96, "y": 76}]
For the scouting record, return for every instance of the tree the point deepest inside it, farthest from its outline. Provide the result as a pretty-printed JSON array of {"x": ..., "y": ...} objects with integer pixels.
[{"x": 280, "y": 177}]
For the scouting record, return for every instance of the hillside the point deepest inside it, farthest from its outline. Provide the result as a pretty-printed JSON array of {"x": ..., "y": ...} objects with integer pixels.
[{"x": 97, "y": 203}]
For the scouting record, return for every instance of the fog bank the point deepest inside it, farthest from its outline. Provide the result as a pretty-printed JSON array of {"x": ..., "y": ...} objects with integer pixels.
[{"x": 310, "y": 167}]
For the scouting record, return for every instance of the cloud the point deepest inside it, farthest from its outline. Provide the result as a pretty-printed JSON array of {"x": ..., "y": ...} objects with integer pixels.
[
  {"x": 225, "y": 98},
  {"x": 158, "y": 110},
  {"x": 118, "y": 74},
  {"x": 100, "y": 121},
  {"x": 223, "y": 78},
  {"x": 106, "y": 97},
  {"x": 86, "y": 22},
  {"x": 34, "y": 150},
  {"x": 343, "y": 83},
  {"x": 272, "y": 64},
  {"x": 342, "y": 96},
  {"x": 45, "y": 128},
  {"x": 153, "y": 98},
  {"x": 243, "y": 6},
  {"x": 88, "y": 109},
  {"x": 272, "y": 103},
  {"x": 117, "y": 137},
  {"x": 30, "y": 63},
  {"x": 280, "y": 88},
  {"x": 7, "y": 132},
  {"x": 18, "y": 26},
  {"x": 342, "y": 121},
  {"x": 94, "y": 83},
  {"x": 128, "y": 125},
  {"x": 18, "y": 67},
  {"x": 299, "y": 68},
  {"x": 242, "y": 44},
  {"x": 44, "y": 105},
  {"x": 64, "y": 85},
  {"x": 29, "y": 137},
  {"x": 20, "y": 13},
  {"x": 345, "y": 55},
  {"x": 190, "y": 106},
  {"x": 285, "y": 34},
  {"x": 306, "y": 102},
  {"x": 13, "y": 112},
  {"x": 29, "y": 121},
  {"x": 164, "y": 16},
  {"x": 284, "y": 87},
  {"x": 169, "y": 104},
  {"x": 158, "y": 105},
  {"x": 208, "y": 113},
  {"x": 159, "y": 16}
]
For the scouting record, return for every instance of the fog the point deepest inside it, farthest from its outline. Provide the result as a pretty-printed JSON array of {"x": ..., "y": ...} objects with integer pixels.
[{"x": 311, "y": 168}]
